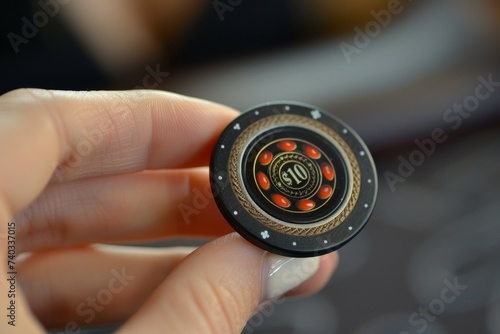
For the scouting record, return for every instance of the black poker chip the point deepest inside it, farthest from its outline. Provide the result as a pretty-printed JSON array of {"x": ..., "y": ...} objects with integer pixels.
[{"x": 292, "y": 179}]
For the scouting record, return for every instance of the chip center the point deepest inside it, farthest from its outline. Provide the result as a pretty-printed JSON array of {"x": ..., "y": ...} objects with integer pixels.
[
  {"x": 294, "y": 174},
  {"x": 291, "y": 176}
]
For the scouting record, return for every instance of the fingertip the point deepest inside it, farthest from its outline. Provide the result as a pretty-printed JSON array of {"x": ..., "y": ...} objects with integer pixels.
[{"x": 328, "y": 264}]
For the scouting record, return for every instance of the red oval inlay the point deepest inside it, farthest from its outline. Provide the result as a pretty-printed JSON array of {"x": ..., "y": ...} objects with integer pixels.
[
  {"x": 325, "y": 192},
  {"x": 287, "y": 145},
  {"x": 306, "y": 204},
  {"x": 327, "y": 171},
  {"x": 280, "y": 200},
  {"x": 312, "y": 152},
  {"x": 265, "y": 158},
  {"x": 263, "y": 181}
]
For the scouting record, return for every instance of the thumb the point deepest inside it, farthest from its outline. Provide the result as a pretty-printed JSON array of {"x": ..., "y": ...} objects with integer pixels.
[{"x": 220, "y": 285}]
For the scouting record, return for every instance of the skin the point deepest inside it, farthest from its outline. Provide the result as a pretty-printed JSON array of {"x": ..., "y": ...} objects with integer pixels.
[{"x": 126, "y": 187}]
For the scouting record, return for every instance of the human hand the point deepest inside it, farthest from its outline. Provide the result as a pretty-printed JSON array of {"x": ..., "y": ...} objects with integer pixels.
[{"x": 80, "y": 168}]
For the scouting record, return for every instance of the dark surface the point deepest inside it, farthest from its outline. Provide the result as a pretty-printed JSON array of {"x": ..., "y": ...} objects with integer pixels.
[
  {"x": 250, "y": 27},
  {"x": 49, "y": 57}
]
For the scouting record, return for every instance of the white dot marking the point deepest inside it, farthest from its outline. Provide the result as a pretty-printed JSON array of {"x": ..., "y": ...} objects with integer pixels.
[
  {"x": 294, "y": 243},
  {"x": 362, "y": 153},
  {"x": 350, "y": 228},
  {"x": 264, "y": 234},
  {"x": 222, "y": 146},
  {"x": 366, "y": 205},
  {"x": 220, "y": 177},
  {"x": 256, "y": 112},
  {"x": 287, "y": 108},
  {"x": 369, "y": 180},
  {"x": 325, "y": 241},
  {"x": 235, "y": 213},
  {"x": 344, "y": 131}
]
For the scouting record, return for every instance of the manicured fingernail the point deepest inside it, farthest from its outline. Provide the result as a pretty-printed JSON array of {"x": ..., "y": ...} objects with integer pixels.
[{"x": 282, "y": 274}]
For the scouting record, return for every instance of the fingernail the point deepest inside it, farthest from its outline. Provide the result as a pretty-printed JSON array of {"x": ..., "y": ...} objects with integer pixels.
[{"x": 282, "y": 274}]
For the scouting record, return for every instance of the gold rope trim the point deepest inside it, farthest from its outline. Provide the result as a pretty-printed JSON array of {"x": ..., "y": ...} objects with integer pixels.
[{"x": 298, "y": 120}]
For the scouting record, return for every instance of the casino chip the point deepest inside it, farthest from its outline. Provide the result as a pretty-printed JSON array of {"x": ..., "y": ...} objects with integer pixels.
[{"x": 292, "y": 179}]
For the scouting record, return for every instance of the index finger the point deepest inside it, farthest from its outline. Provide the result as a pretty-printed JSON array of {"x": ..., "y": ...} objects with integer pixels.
[{"x": 87, "y": 134}]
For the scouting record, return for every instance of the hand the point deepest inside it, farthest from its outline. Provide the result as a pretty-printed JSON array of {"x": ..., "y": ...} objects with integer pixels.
[{"x": 80, "y": 168}]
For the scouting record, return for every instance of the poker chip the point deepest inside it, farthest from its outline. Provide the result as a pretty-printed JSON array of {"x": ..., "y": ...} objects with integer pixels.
[{"x": 292, "y": 179}]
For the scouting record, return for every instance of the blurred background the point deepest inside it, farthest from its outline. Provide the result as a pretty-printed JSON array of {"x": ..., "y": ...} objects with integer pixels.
[{"x": 399, "y": 72}]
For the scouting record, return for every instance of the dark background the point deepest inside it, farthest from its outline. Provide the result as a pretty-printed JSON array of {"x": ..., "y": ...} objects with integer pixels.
[{"x": 440, "y": 225}]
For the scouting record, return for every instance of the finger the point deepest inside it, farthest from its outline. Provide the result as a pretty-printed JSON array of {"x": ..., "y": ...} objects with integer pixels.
[
  {"x": 328, "y": 263},
  {"x": 94, "y": 284},
  {"x": 218, "y": 287},
  {"x": 122, "y": 208},
  {"x": 97, "y": 133},
  {"x": 114, "y": 132}
]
